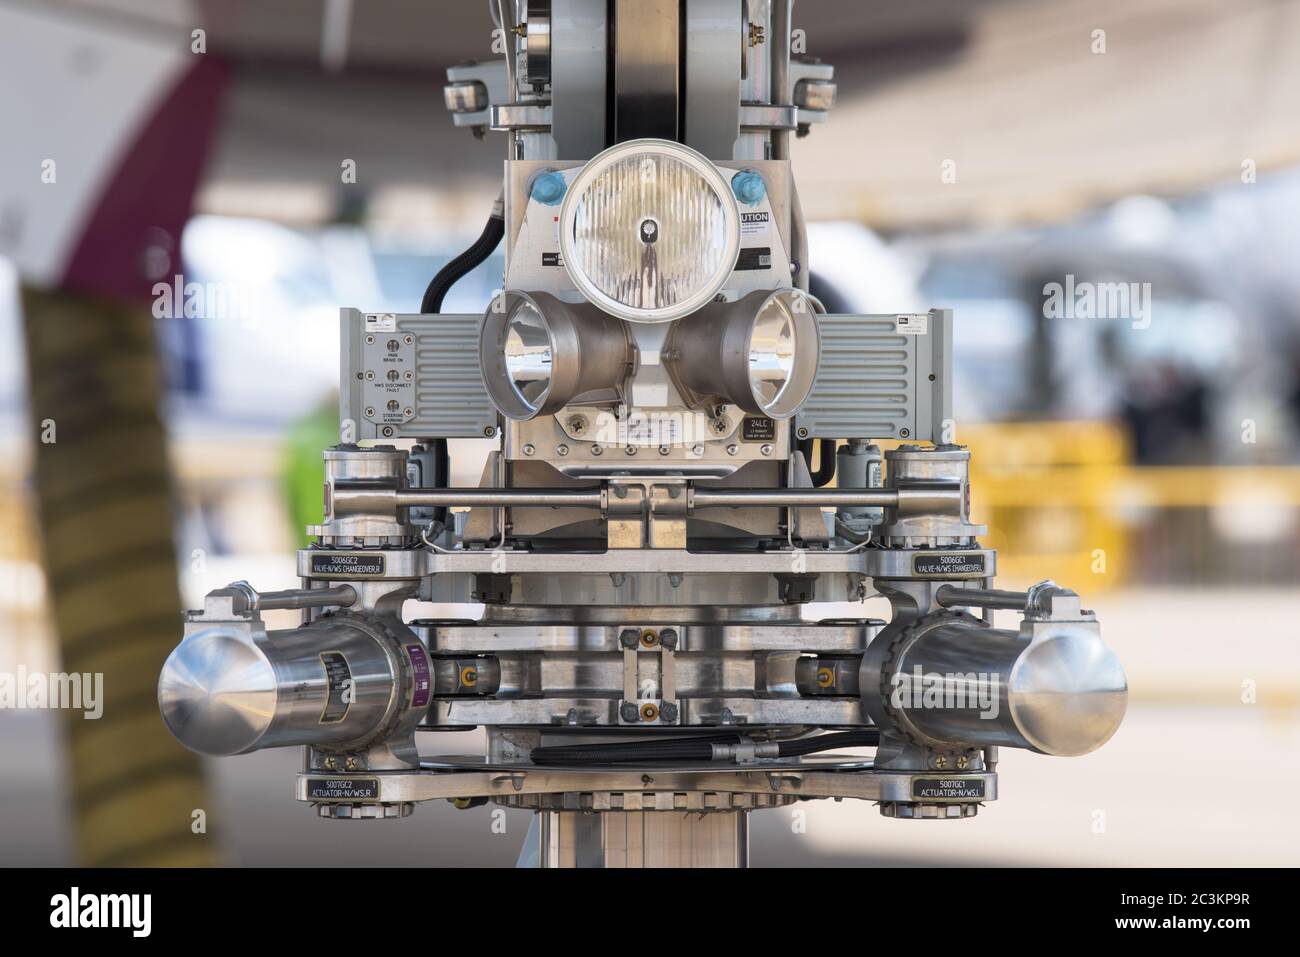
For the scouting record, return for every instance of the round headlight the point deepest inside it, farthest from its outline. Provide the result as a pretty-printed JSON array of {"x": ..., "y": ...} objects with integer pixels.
[{"x": 649, "y": 231}]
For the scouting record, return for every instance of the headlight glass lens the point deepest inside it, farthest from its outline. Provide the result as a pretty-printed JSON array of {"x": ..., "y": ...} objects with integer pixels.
[
  {"x": 650, "y": 231},
  {"x": 771, "y": 352},
  {"x": 528, "y": 355}
]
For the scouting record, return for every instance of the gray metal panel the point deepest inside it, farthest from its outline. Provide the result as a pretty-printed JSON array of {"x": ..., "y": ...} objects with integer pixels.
[
  {"x": 874, "y": 382},
  {"x": 444, "y": 394},
  {"x": 578, "y": 67},
  {"x": 713, "y": 48}
]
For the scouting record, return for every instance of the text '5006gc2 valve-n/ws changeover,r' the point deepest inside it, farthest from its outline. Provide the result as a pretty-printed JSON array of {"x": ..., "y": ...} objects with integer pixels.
[{"x": 656, "y": 380}]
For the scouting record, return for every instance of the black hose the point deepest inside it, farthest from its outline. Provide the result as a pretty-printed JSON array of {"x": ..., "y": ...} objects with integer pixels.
[
  {"x": 434, "y": 294},
  {"x": 866, "y": 737},
  {"x": 459, "y": 267},
  {"x": 695, "y": 748},
  {"x": 826, "y": 461},
  {"x": 441, "y": 475}
]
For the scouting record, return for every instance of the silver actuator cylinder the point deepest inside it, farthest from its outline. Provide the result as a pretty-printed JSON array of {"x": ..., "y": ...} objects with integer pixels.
[
  {"x": 1051, "y": 687},
  {"x": 339, "y": 683}
]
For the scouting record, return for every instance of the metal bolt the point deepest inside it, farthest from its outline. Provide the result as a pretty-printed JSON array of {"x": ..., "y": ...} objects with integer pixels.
[
  {"x": 766, "y": 449},
  {"x": 407, "y": 412},
  {"x": 629, "y": 637},
  {"x": 697, "y": 450},
  {"x": 408, "y": 339},
  {"x": 577, "y": 425},
  {"x": 664, "y": 450},
  {"x": 469, "y": 676},
  {"x": 370, "y": 376},
  {"x": 940, "y": 761},
  {"x": 329, "y": 764},
  {"x": 489, "y": 431},
  {"x": 802, "y": 432},
  {"x": 350, "y": 764},
  {"x": 597, "y": 450},
  {"x": 733, "y": 449},
  {"x": 668, "y": 638},
  {"x": 370, "y": 340},
  {"x": 409, "y": 375},
  {"x": 668, "y": 713},
  {"x": 963, "y": 762},
  {"x": 649, "y": 638},
  {"x": 529, "y": 448},
  {"x": 674, "y": 579},
  {"x": 630, "y": 450},
  {"x": 388, "y": 431},
  {"x": 370, "y": 410},
  {"x": 720, "y": 426},
  {"x": 561, "y": 450},
  {"x": 904, "y": 432},
  {"x": 825, "y": 677},
  {"x": 629, "y": 713},
  {"x": 649, "y": 712}
]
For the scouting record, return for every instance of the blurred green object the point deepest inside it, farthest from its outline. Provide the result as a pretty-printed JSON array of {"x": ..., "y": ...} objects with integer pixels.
[{"x": 304, "y": 474}]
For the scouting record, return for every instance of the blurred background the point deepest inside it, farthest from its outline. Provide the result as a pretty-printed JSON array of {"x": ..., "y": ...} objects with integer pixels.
[{"x": 293, "y": 156}]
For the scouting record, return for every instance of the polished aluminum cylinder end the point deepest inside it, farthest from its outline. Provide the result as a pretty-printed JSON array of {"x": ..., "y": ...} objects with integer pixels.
[
  {"x": 1061, "y": 692},
  {"x": 229, "y": 688}
]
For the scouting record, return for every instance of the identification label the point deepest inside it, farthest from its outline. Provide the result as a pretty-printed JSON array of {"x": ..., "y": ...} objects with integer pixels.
[
  {"x": 758, "y": 428},
  {"x": 381, "y": 322},
  {"x": 343, "y": 789},
  {"x": 342, "y": 566},
  {"x": 947, "y": 789},
  {"x": 912, "y": 325},
  {"x": 948, "y": 564},
  {"x": 754, "y": 257}
]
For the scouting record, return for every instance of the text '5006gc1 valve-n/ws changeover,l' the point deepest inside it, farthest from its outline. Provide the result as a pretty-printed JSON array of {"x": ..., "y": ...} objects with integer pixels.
[{"x": 655, "y": 380}]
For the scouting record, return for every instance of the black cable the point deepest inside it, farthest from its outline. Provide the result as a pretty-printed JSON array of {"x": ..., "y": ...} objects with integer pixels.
[
  {"x": 866, "y": 737},
  {"x": 441, "y": 475},
  {"x": 695, "y": 748},
  {"x": 826, "y": 460},
  {"x": 434, "y": 294},
  {"x": 459, "y": 267},
  {"x": 825, "y": 464}
]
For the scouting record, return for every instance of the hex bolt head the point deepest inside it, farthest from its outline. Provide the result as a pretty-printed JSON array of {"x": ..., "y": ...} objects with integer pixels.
[
  {"x": 629, "y": 637},
  {"x": 766, "y": 449},
  {"x": 629, "y": 712},
  {"x": 668, "y": 638},
  {"x": 597, "y": 450},
  {"x": 668, "y": 713},
  {"x": 561, "y": 450},
  {"x": 733, "y": 449}
]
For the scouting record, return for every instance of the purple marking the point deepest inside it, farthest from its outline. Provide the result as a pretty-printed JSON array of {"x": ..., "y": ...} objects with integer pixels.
[{"x": 420, "y": 666}]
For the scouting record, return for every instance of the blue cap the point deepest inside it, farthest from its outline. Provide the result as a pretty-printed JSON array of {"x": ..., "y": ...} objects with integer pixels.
[
  {"x": 749, "y": 187},
  {"x": 549, "y": 188}
]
